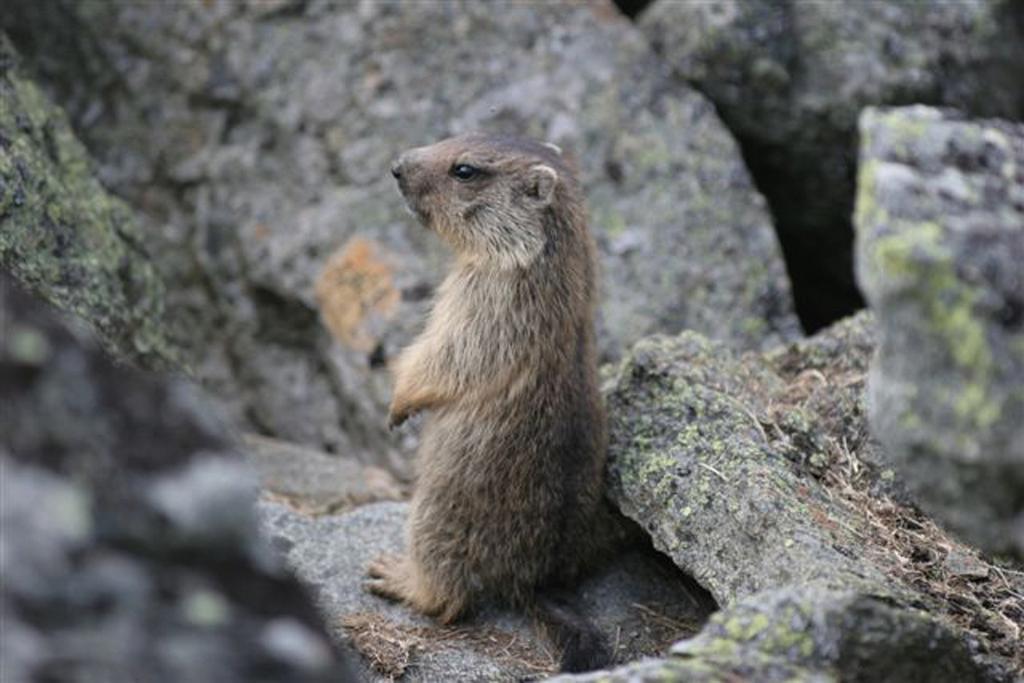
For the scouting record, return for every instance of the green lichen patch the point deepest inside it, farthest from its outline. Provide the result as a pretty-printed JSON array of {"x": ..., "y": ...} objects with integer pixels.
[
  {"x": 64, "y": 236},
  {"x": 940, "y": 240}
]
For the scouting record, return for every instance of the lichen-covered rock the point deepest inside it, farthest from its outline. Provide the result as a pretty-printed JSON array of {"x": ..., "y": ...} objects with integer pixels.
[
  {"x": 756, "y": 474},
  {"x": 940, "y": 228},
  {"x": 63, "y": 235},
  {"x": 640, "y": 604},
  {"x": 131, "y": 549},
  {"x": 708, "y": 448},
  {"x": 258, "y": 141},
  {"x": 789, "y": 78},
  {"x": 809, "y": 633}
]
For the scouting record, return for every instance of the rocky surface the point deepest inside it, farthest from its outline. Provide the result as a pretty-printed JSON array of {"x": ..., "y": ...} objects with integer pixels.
[
  {"x": 747, "y": 470},
  {"x": 809, "y": 633},
  {"x": 706, "y": 448},
  {"x": 252, "y": 140},
  {"x": 130, "y": 544},
  {"x": 940, "y": 227},
  {"x": 261, "y": 163},
  {"x": 757, "y": 475},
  {"x": 641, "y": 604},
  {"x": 789, "y": 78},
  {"x": 63, "y": 235},
  {"x": 315, "y": 482}
]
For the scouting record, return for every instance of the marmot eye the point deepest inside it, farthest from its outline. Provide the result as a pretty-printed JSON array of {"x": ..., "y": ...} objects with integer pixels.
[{"x": 465, "y": 171}]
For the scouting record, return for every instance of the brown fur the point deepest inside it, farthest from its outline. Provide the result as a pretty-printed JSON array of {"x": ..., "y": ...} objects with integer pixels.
[{"x": 509, "y": 494}]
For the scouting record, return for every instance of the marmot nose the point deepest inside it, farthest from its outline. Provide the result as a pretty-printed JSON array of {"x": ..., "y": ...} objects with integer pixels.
[{"x": 396, "y": 169}]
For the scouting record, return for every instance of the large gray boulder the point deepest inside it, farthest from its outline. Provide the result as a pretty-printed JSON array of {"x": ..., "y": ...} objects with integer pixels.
[
  {"x": 790, "y": 77},
  {"x": 130, "y": 545},
  {"x": 940, "y": 229},
  {"x": 750, "y": 472},
  {"x": 63, "y": 235},
  {"x": 257, "y": 138}
]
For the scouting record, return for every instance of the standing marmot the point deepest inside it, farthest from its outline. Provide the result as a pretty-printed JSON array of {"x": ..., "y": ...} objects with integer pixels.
[{"x": 508, "y": 502}]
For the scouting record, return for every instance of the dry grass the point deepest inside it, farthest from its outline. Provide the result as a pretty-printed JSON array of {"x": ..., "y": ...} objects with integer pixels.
[
  {"x": 389, "y": 647},
  {"x": 665, "y": 630},
  {"x": 973, "y": 593},
  {"x": 976, "y": 595}
]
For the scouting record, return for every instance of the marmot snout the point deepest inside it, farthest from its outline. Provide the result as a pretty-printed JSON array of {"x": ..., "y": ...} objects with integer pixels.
[{"x": 484, "y": 195}]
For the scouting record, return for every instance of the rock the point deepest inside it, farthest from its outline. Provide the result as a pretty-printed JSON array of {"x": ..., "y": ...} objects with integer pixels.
[
  {"x": 63, "y": 235},
  {"x": 707, "y": 448},
  {"x": 808, "y": 633},
  {"x": 314, "y": 482},
  {"x": 747, "y": 471},
  {"x": 754, "y": 473},
  {"x": 940, "y": 221},
  {"x": 258, "y": 145},
  {"x": 641, "y": 604},
  {"x": 130, "y": 545},
  {"x": 790, "y": 78}
]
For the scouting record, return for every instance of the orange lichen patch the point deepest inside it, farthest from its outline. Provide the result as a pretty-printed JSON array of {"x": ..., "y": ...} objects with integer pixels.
[
  {"x": 260, "y": 231},
  {"x": 356, "y": 293}
]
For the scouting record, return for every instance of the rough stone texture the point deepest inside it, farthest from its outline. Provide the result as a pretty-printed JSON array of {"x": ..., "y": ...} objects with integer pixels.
[
  {"x": 62, "y": 235},
  {"x": 809, "y": 633},
  {"x": 316, "y": 482},
  {"x": 130, "y": 547},
  {"x": 940, "y": 227},
  {"x": 706, "y": 449},
  {"x": 789, "y": 78},
  {"x": 641, "y": 605},
  {"x": 724, "y": 459},
  {"x": 257, "y": 139}
]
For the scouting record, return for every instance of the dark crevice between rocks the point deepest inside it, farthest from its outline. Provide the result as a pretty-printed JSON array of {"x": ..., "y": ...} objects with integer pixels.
[
  {"x": 283, "y": 320},
  {"x": 816, "y": 242},
  {"x": 704, "y": 602},
  {"x": 632, "y": 8}
]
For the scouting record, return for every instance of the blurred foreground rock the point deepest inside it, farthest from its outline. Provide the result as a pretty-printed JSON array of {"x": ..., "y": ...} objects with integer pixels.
[
  {"x": 257, "y": 138},
  {"x": 130, "y": 548},
  {"x": 940, "y": 221},
  {"x": 63, "y": 236},
  {"x": 789, "y": 78}
]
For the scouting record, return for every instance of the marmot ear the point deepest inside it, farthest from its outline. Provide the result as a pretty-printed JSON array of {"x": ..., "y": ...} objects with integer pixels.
[{"x": 541, "y": 183}]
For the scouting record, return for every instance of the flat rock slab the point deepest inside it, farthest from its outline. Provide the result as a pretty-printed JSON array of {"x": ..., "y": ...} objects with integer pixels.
[{"x": 640, "y": 604}]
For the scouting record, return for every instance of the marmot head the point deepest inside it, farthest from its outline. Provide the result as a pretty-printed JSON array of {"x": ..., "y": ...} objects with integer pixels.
[{"x": 493, "y": 198}]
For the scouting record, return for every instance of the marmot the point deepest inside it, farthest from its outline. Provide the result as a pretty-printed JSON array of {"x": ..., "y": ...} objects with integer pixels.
[{"x": 509, "y": 498}]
